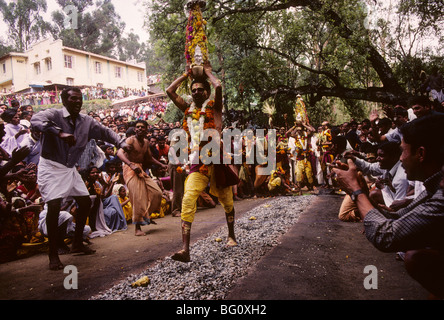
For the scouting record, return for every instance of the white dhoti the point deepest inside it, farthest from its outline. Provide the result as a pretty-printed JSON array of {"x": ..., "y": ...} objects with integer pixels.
[{"x": 57, "y": 181}]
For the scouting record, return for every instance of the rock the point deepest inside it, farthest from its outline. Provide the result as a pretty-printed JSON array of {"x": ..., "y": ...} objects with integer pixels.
[{"x": 142, "y": 282}]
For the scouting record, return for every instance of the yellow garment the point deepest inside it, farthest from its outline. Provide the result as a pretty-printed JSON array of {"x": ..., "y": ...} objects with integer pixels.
[
  {"x": 304, "y": 166},
  {"x": 274, "y": 182},
  {"x": 164, "y": 207},
  {"x": 127, "y": 209},
  {"x": 195, "y": 183}
]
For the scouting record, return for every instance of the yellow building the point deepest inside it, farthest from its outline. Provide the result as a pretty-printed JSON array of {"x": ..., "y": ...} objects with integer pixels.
[{"x": 48, "y": 65}]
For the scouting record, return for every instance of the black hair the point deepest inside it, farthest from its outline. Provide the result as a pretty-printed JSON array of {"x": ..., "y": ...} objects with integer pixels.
[
  {"x": 400, "y": 111},
  {"x": 421, "y": 100},
  {"x": 142, "y": 122},
  {"x": 15, "y": 104},
  {"x": 391, "y": 148},
  {"x": 24, "y": 114},
  {"x": 8, "y": 114},
  {"x": 385, "y": 122},
  {"x": 160, "y": 138},
  {"x": 367, "y": 147},
  {"x": 65, "y": 92},
  {"x": 426, "y": 132},
  {"x": 205, "y": 83},
  {"x": 130, "y": 132},
  {"x": 340, "y": 142}
]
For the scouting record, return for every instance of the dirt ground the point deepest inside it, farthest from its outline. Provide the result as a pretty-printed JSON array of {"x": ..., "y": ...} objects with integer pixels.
[
  {"x": 117, "y": 256},
  {"x": 320, "y": 258}
]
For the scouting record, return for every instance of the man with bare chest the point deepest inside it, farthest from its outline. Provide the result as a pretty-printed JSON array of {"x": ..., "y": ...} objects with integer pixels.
[
  {"x": 144, "y": 193},
  {"x": 202, "y": 114}
]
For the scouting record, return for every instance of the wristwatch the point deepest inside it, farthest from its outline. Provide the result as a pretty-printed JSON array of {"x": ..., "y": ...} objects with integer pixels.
[{"x": 354, "y": 195}]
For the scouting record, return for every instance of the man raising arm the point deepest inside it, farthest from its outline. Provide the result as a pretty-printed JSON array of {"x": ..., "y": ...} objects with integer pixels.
[
  {"x": 417, "y": 228},
  {"x": 65, "y": 134}
]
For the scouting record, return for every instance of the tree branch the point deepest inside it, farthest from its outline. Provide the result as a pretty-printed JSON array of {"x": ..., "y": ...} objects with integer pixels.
[
  {"x": 373, "y": 94},
  {"x": 329, "y": 75},
  {"x": 377, "y": 61}
]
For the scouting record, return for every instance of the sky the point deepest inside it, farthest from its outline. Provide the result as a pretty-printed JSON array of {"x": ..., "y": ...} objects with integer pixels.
[{"x": 131, "y": 12}]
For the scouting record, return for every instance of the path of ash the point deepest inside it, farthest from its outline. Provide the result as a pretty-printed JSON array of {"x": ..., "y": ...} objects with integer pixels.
[{"x": 215, "y": 268}]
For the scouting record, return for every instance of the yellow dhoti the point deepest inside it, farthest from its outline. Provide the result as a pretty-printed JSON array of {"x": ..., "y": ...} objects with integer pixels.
[
  {"x": 304, "y": 166},
  {"x": 195, "y": 183}
]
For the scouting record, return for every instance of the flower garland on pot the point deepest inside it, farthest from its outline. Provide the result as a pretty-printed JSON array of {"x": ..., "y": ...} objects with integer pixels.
[{"x": 196, "y": 45}]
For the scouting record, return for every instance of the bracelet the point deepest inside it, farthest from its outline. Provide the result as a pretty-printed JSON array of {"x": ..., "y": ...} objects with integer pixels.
[{"x": 185, "y": 74}]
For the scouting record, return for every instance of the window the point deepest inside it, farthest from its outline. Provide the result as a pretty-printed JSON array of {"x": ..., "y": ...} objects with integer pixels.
[
  {"x": 140, "y": 76},
  {"x": 48, "y": 63},
  {"x": 4, "y": 67},
  {"x": 68, "y": 61},
  {"x": 98, "y": 67},
  {"x": 70, "y": 81},
  {"x": 118, "y": 72},
  {"x": 37, "y": 68}
]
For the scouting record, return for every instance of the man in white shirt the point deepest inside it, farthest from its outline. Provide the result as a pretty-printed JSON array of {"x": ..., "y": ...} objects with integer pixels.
[
  {"x": 400, "y": 117},
  {"x": 393, "y": 183}
]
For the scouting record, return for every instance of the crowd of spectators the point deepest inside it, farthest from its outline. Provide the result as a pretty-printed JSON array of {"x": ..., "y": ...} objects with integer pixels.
[
  {"x": 46, "y": 97},
  {"x": 22, "y": 211}
]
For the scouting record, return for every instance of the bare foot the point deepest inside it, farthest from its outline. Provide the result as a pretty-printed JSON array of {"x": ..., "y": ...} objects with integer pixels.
[
  {"x": 140, "y": 233},
  {"x": 63, "y": 249},
  {"x": 82, "y": 249},
  {"x": 181, "y": 256},
  {"x": 231, "y": 242},
  {"x": 55, "y": 263}
]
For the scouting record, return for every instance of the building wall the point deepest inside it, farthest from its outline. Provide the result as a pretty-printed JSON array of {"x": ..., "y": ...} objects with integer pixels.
[
  {"x": 5, "y": 73},
  {"x": 13, "y": 73},
  {"x": 49, "y": 62}
]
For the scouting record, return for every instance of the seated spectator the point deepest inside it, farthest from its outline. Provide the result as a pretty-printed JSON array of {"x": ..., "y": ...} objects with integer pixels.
[
  {"x": 417, "y": 228},
  {"x": 392, "y": 184},
  {"x": 14, "y": 131},
  {"x": 110, "y": 155},
  {"x": 28, "y": 216},
  {"x": 277, "y": 183},
  {"x": 66, "y": 225},
  {"x": 400, "y": 117},
  {"x": 421, "y": 106},
  {"x": 125, "y": 203},
  {"x": 105, "y": 202},
  {"x": 32, "y": 141},
  {"x": 12, "y": 231}
]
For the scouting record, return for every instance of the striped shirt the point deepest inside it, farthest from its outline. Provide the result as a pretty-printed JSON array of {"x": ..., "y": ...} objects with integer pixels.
[{"x": 419, "y": 225}]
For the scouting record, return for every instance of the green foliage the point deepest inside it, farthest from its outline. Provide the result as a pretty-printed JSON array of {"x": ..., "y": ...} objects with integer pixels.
[
  {"x": 172, "y": 114},
  {"x": 259, "y": 51},
  {"x": 98, "y": 31},
  {"x": 324, "y": 50},
  {"x": 89, "y": 105},
  {"x": 24, "y": 21}
]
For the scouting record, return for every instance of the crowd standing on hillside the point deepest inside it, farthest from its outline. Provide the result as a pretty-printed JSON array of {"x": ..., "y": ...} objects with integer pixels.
[
  {"x": 46, "y": 97},
  {"x": 305, "y": 156}
]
